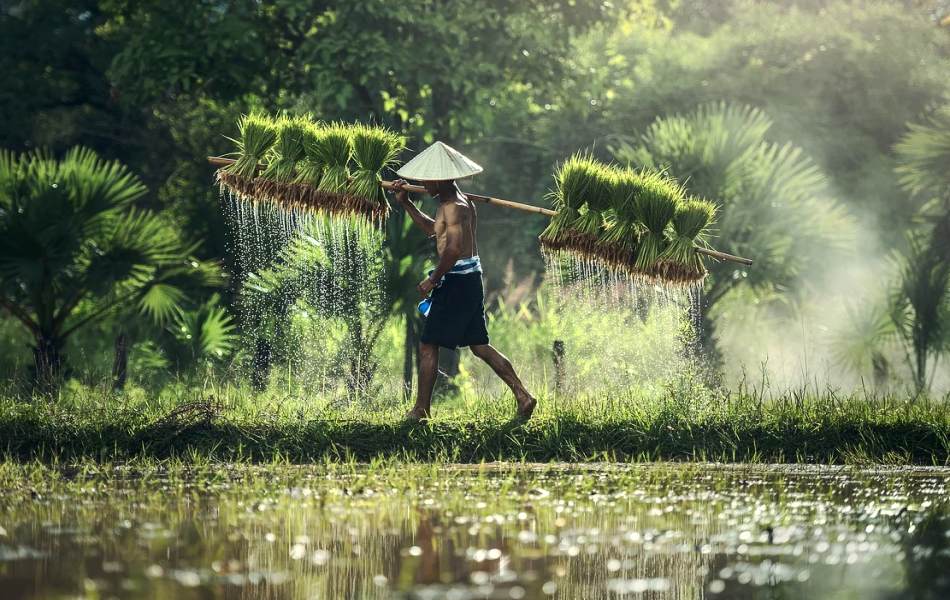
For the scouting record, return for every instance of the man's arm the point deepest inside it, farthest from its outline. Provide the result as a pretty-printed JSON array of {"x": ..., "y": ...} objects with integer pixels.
[{"x": 422, "y": 220}]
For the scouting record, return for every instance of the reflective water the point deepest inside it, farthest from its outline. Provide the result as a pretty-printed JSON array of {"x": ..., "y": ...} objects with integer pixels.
[{"x": 568, "y": 531}]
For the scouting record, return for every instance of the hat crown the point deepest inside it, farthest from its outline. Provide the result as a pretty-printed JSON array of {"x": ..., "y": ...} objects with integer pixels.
[{"x": 439, "y": 162}]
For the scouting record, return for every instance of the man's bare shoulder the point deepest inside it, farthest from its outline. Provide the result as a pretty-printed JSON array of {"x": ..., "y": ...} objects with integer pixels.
[{"x": 457, "y": 210}]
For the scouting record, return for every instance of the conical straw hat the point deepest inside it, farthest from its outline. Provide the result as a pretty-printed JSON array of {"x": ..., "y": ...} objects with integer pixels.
[{"x": 439, "y": 162}]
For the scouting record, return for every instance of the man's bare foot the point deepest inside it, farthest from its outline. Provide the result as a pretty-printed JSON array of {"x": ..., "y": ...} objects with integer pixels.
[
  {"x": 526, "y": 407},
  {"x": 417, "y": 415}
]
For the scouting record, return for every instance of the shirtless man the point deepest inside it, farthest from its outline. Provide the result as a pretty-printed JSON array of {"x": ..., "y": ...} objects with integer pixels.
[{"x": 457, "y": 314}]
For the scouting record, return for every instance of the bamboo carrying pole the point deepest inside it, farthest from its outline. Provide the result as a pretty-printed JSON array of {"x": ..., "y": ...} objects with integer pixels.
[{"x": 219, "y": 162}]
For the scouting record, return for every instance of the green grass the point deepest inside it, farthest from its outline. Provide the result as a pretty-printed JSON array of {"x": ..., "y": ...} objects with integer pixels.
[{"x": 231, "y": 424}]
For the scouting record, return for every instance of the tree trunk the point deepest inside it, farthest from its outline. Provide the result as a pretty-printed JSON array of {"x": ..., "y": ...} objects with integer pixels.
[
  {"x": 48, "y": 364},
  {"x": 559, "y": 367},
  {"x": 920, "y": 376},
  {"x": 261, "y": 364},
  {"x": 120, "y": 362}
]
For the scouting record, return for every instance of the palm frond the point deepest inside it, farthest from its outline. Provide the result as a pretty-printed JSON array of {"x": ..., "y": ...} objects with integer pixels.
[{"x": 923, "y": 155}]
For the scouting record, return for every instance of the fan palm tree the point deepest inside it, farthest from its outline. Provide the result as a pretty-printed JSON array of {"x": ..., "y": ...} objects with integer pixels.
[
  {"x": 74, "y": 250},
  {"x": 774, "y": 201},
  {"x": 921, "y": 306}
]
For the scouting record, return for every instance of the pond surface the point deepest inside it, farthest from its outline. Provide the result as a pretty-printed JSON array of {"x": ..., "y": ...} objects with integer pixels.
[{"x": 496, "y": 531}]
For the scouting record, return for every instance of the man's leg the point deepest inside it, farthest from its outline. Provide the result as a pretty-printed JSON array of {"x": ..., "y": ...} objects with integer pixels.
[
  {"x": 428, "y": 369},
  {"x": 504, "y": 369}
]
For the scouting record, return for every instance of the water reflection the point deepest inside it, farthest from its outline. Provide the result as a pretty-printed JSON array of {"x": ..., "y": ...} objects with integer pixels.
[{"x": 662, "y": 531}]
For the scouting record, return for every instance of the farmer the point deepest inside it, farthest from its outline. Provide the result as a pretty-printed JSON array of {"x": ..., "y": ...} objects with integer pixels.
[{"x": 456, "y": 315}]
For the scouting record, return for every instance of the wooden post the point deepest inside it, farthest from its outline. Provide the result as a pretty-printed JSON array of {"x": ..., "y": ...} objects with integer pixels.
[{"x": 558, "y": 349}]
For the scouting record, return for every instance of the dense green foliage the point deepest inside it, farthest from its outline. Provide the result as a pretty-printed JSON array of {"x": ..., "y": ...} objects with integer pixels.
[{"x": 74, "y": 250}]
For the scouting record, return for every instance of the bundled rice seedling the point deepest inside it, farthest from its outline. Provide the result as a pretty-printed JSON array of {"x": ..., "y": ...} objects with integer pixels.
[
  {"x": 334, "y": 150},
  {"x": 618, "y": 241},
  {"x": 691, "y": 222},
  {"x": 310, "y": 169},
  {"x": 374, "y": 149},
  {"x": 572, "y": 182},
  {"x": 288, "y": 149},
  {"x": 257, "y": 135},
  {"x": 657, "y": 201},
  {"x": 589, "y": 225},
  {"x": 308, "y": 166}
]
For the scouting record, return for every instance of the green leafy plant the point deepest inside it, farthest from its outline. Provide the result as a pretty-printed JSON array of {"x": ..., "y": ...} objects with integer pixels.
[
  {"x": 206, "y": 332},
  {"x": 924, "y": 155},
  {"x": 74, "y": 250}
]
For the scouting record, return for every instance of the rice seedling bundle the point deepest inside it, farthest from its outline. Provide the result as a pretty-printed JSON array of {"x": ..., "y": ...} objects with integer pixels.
[
  {"x": 310, "y": 169},
  {"x": 306, "y": 165},
  {"x": 691, "y": 222},
  {"x": 657, "y": 201},
  {"x": 257, "y": 135},
  {"x": 374, "y": 149},
  {"x": 618, "y": 240},
  {"x": 572, "y": 182},
  {"x": 334, "y": 151},
  {"x": 288, "y": 149},
  {"x": 588, "y": 226}
]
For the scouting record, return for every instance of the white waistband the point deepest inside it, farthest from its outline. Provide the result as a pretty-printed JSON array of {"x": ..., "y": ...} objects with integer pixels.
[{"x": 463, "y": 266}]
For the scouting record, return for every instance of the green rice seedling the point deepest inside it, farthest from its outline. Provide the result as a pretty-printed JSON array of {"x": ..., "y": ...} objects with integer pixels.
[
  {"x": 622, "y": 229},
  {"x": 572, "y": 180},
  {"x": 288, "y": 149},
  {"x": 310, "y": 169},
  {"x": 257, "y": 134},
  {"x": 374, "y": 149},
  {"x": 690, "y": 224},
  {"x": 335, "y": 150},
  {"x": 657, "y": 201},
  {"x": 597, "y": 199}
]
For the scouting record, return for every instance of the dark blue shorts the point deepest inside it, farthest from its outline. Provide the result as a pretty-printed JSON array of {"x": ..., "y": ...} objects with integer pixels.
[{"x": 457, "y": 316}]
